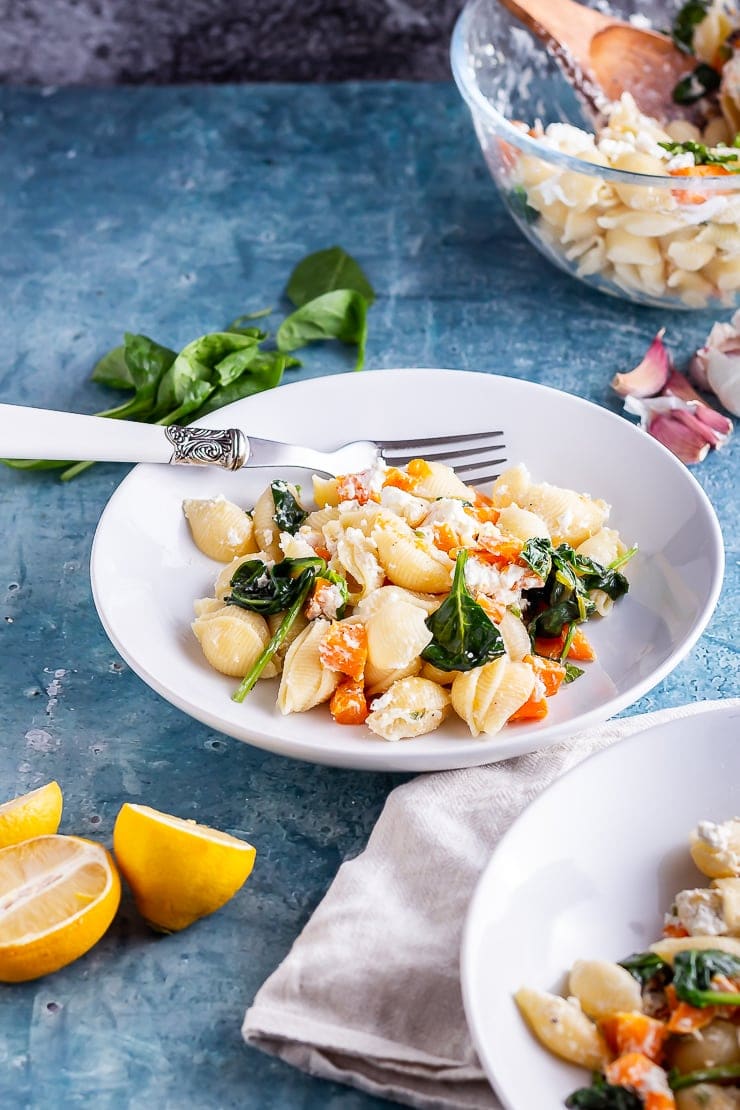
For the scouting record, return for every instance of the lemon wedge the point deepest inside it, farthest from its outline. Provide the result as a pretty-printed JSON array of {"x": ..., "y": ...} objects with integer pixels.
[
  {"x": 35, "y": 814},
  {"x": 178, "y": 870},
  {"x": 58, "y": 895}
]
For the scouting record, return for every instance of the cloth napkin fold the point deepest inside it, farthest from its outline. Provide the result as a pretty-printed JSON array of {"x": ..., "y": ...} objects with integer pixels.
[{"x": 369, "y": 994}]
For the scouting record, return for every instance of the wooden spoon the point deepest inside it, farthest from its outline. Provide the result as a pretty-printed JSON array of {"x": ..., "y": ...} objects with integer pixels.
[{"x": 604, "y": 57}]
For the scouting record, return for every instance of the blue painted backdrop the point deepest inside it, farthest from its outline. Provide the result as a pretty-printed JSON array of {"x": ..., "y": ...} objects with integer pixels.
[{"x": 171, "y": 211}]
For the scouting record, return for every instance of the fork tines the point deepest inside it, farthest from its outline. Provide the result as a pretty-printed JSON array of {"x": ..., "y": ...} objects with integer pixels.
[{"x": 475, "y": 456}]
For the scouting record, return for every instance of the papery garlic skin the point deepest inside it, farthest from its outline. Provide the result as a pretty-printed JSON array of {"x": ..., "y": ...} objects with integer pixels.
[{"x": 716, "y": 365}]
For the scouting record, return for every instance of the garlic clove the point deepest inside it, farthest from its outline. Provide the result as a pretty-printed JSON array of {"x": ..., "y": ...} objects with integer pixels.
[
  {"x": 716, "y": 365},
  {"x": 650, "y": 376},
  {"x": 723, "y": 375},
  {"x": 685, "y": 442},
  {"x": 721, "y": 425},
  {"x": 674, "y": 423}
]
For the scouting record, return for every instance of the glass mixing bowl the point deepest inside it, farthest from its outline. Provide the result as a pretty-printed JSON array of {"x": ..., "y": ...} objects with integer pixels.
[{"x": 659, "y": 240}]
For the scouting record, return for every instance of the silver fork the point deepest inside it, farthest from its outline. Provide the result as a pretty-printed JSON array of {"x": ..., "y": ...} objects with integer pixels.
[{"x": 29, "y": 433}]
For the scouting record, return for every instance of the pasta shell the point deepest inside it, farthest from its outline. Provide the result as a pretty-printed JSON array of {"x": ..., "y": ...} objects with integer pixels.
[
  {"x": 204, "y": 606},
  {"x": 411, "y": 707},
  {"x": 232, "y": 639},
  {"x": 325, "y": 491},
  {"x": 563, "y": 1028},
  {"x": 515, "y": 636},
  {"x": 393, "y": 595},
  {"x": 377, "y": 680},
  {"x": 486, "y": 697},
  {"x": 522, "y": 524},
  {"x": 396, "y": 635},
  {"x": 511, "y": 486},
  {"x": 305, "y": 682},
  {"x": 407, "y": 561},
  {"x": 715, "y": 849},
  {"x": 604, "y": 546},
  {"x": 220, "y": 529},
  {"x": 571, "y": 517},
  {"x": 441, "y": 481},
  {"x": 434, "y": 674},
  {"x": 604, "y": 988}
]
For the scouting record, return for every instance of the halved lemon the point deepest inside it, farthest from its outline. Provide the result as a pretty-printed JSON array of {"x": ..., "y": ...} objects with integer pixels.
[
  {"x": 35, "y": 814},
  {"x": 178, "y": 870},
  {"x": 58, "y": 895}
]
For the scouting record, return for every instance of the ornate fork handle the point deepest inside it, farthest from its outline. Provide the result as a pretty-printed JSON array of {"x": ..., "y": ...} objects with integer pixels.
[{"x": 224, "y": 447}]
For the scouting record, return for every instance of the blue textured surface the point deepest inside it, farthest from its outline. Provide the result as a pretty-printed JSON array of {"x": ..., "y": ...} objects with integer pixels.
[{"x": 170, "y": 211}]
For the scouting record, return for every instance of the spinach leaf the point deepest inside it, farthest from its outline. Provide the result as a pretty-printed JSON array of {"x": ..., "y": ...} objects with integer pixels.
[
  {"x": 325, "y": 271},
  {"x": 215, "y": 359},
  {"x": 649, "y": 969},
  {"x": 146, "y": 362},
  {"x": 306, "y": 581},
  {"x": 687, "y": 20},
  {"x": 595, "y": 577},
  {"x": 239, "y": 322},
  {"x": 288, "y": 515},
  {"x": 341, "y": 314},
  {"x": 704, "y": 79},
  {"x": 720, "y": 1074},
  {"x": 266, "y": 590},
  {"x": 693, "y": 971},
  {"x": 622, "y": 560},
  {"x": 703, "y": 156},
  {"x": 112, "y": 370},
  {"x": 572, "y": 672},
  {"x": 603, "y": 1096},
  {"x": 463, "y": 634},
  {"x": 537, "y": 554},
  {"x": 568, "y": 578},
  {"x": 264, "y": 372},
  {"x": 520, "y": 205}
]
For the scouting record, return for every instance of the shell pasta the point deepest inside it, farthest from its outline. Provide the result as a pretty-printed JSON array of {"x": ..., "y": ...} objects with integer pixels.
[
  {"x": 661, "y": 1028},
  {"x": 403, "y": 596}
]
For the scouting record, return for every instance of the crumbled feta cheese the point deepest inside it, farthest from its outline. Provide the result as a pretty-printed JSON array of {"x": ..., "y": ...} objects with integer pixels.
[
  {"x": 714, "y": 835},
  {"x": 700, "y": 912},
  {"x": 451, "y": 511},
  {"x": 681, "y": 161},
  {"x": 295, "y": 547},
  {"x": 411, "y": 509}
]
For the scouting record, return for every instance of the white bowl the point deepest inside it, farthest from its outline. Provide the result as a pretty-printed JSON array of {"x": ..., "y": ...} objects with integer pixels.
[
  {"x": 146, "y": 571},
  {"x": 588, "y": 871}
]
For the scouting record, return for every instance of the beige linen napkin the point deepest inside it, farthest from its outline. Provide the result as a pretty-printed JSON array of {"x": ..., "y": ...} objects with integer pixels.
[{"x": 369, "y": 994}]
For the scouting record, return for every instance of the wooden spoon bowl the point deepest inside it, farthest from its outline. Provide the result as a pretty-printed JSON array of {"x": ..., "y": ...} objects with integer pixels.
[{"x": 603, "y": 56}]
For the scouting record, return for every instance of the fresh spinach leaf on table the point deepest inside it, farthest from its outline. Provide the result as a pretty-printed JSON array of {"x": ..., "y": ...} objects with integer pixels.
[
  {"x": 325, "y": 271},
  {"x": 331, "y": 294},
  {"x": 340, "y": 314}
]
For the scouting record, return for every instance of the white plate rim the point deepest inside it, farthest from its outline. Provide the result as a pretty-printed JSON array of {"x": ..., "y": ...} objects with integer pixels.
[
  {"x": 475, "y": 910},
  {"x": 401, "y": 757}
]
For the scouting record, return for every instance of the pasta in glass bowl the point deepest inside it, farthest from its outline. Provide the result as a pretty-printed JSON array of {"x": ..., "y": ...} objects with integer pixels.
[{"x": 655, "y": 224}]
